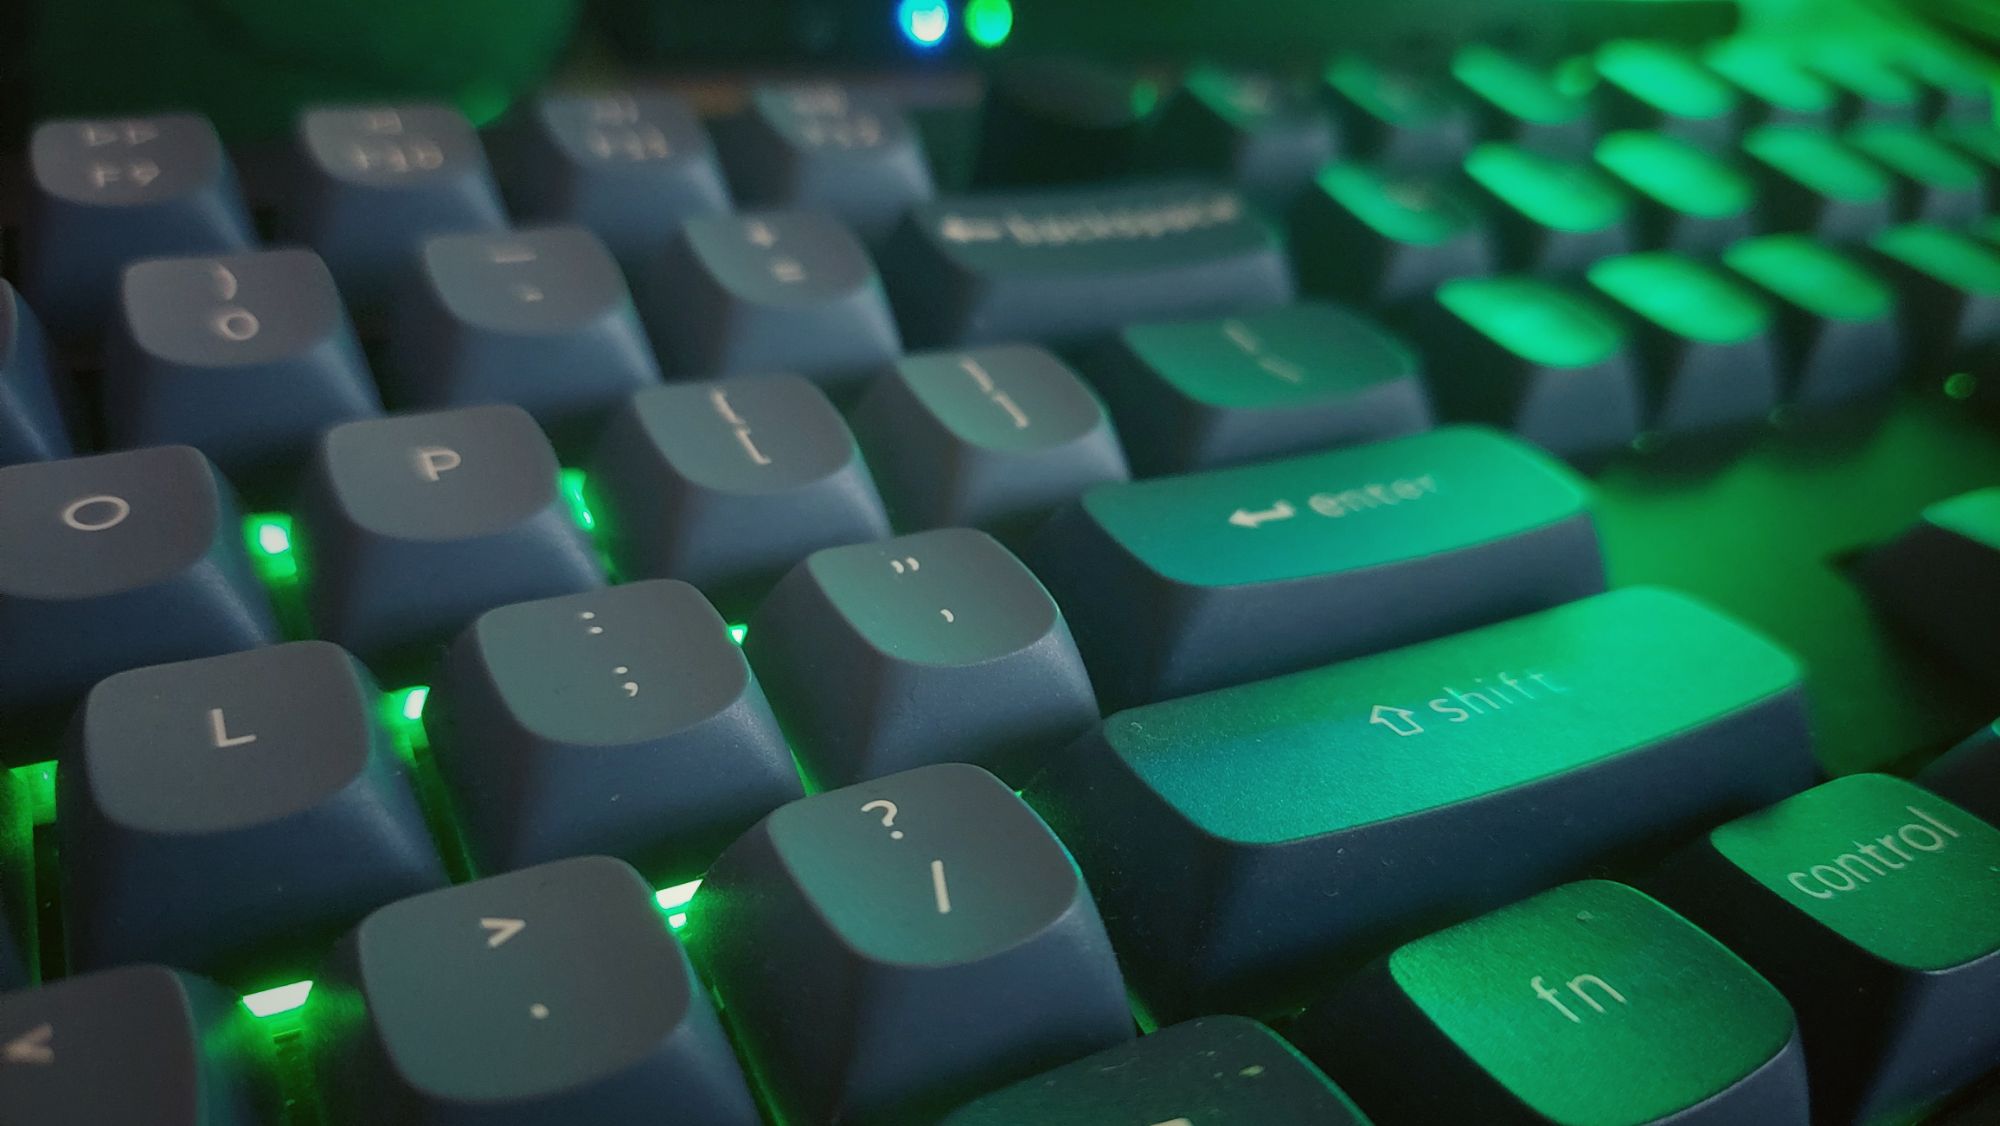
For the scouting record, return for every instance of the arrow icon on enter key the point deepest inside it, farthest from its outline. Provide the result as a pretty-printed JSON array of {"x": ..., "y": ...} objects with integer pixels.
[
  {"x": 1402, "y": 721},
  {"x": 1244, "y": 518}
]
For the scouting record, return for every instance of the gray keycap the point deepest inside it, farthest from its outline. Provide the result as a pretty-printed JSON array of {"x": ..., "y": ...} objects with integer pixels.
[
  {"x": 374, "y": 182},
  {"x": 727, "y": 484},
  {"x": 993, "y": 438},
  {"x": 1263, "y": 134},
  {"x": 934, "y": 647},
  {"x": 769, "y": 291},
  {"x": 116, "y": 561},
  {"x": 107, "y": 192},
  {"x": 246, "y": 357},
  {"x": 31, "y": 421},
  {"x": 409, "y": 527},
  {"x": 539, "y": 318},
  {"x": 629, "y": 165},
  {"x": 623, "y": 722},
  {"x": 827, "y": 147},
  {"x": 18, "y": 901},
  {"x": 235, "y": 813}
]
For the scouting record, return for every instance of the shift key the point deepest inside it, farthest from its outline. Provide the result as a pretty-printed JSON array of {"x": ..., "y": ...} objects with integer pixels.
[
  {"x": 1248, "y": 844},
  {"x": 1183, "y": 584}
]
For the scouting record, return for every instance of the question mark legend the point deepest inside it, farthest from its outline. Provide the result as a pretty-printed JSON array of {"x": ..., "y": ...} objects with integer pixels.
[{"x": 889, "y": 811}]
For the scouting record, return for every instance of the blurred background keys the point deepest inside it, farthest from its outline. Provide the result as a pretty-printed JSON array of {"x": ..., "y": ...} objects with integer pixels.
[
  {"x": 1551, "y": 216},
  {"x": 136, "y": 1044},
  {"x": 31, "y": 410},
  {"x": 1705, "y": 342},
  {"x": 1379, "y": 238},
  {"x": 408, "y": 527},
  {"x": 116, "y": 561},
  {"x": 828, "y": 148},
  {"x": 770, "y": 291},
  {"x": 993, "y": 438},
  {"x": 1258, "y": 132},
  {"x": 232, "y": 814},
  {"x": 1523, "y": 103},
  {"x": 1686, "y": 198},
  {"x": 623, "y": 722},
  {"x": 1061, "y": 120},
  {"x": 1836, "y": 320},
  {"x": 1867, "y": 89},
  {"x": 630, "y": 166},
  {"x": 1949, "y": 289},
  {"x": 1938, "y": 579},
  {"x": 1969, "y": 774},
  {"x": 539, "y": 318},
  {"x": 1777, "y": 90},
  {"x": 1310, "y": 376},
  {"x": 552, "y": 994},
  {"x": 887, "y": 951},
  {"x": 1651, "y": 84},
  {"x": 19, "y": 905},
  {"x": 938, "y": 646},
  {"x": 105, "y": 192},
  {"x": 1215, "y": 1071},
  {"x": 726, "y": 484},
  {"x": 1813, "y": 184},
  {"x": 1398, "y": 117},
  {"x": 245, "y": 357},
  {"x": 1934, "y": 182},
  {"x": 374, "y": 182}
]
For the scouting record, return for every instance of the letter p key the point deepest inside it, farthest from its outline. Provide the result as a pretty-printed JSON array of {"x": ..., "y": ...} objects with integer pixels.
[{"x": 435, "y": 461}]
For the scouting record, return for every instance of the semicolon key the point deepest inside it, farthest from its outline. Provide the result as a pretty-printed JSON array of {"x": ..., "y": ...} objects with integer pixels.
[
  {"x": 552, "y": 994},
  {"x": 887, "y": 951},
  {"x": 825, "y": 146}
]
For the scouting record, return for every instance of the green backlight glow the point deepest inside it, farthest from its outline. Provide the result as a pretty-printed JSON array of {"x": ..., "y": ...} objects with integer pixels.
[
  {"x": 1813, "y": 276},
  {"x": 1554, "y": 193},
  {"x": 283, "y": 999},
  {"x": 39, "y": 781},
  {"x": 1677, "y": 174},
  {"x": 1683, "y": 296},
  {"x": 738, "y": 632},
  {"x": 1663, "y": 75},
  {"x": 1534, "y": 319},
  {"x": 403, "y": 711},
  {"x": 269, "y": 535},
  {"x": 1819, "y": 161},
  {"x": 988, "y": 23},
  {"x": 674, "y": 900},
  {"x": 579, "y": 508},
  {"x": 1961, "y": 385}
]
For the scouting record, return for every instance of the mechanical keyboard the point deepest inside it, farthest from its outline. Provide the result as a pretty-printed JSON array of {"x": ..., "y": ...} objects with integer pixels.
[{"x": 1424, "y": 589}]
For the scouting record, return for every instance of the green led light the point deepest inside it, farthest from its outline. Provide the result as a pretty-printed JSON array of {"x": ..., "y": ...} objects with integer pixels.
[
  {"x": 1961, "y": 385},
  {"x": 737, "y": 632},
  {"x": 413, "y": 702},
  {"x": 39, "y": 780},
  {"x": 673, "y": 899},
  {"x": 579, "y": 508},
  {"x": 283, "y": 999},
  {"x": 269, "y": 535},
  {"x": 404, "y": 715},
  {"x": 988, "y": 23}
]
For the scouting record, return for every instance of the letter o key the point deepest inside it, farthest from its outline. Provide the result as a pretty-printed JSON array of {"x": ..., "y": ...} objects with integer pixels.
[{"x": 116, "y": 510}]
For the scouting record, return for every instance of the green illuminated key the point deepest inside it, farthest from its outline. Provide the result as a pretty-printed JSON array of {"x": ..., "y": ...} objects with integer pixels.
[
  {"x": 1933, "y": 181},
  {"x": 1522, "y": 103},
  {"x": 1940, "y": 579},
  {"x": 1950, "y": 289},
  {"x": 1650, "y": 85},
  {"x": 1563, "y": 1009},
  {"x": 1688, "y": 199},
  {"x": 1377, "y": 237},
  {"x": 1868, "y": 89},
  {"x": 1397, "y": 116},
  {"x": 1951, "y": 85},
  {"x": 1779, "y": 90},
  {"x": 1811, "y": 182},
  {"x": 1705, "y": 342},
  {"x": 1836, "y": 319},
  {"x": 1552, "y": 216},
  {"x": 1870, "y": 902},
  {"x": 1980, "y": 141},
  {"x": 1243, "y": 843}
]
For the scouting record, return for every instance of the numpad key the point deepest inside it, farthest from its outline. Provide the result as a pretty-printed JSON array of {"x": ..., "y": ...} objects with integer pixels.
[{"x": 1053, "y": 587}]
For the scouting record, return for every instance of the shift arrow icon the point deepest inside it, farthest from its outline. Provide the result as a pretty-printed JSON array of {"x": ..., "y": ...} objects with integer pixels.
[
  {"x": 1244, "y": 518},
  {"x": 1402, "y": 721}
]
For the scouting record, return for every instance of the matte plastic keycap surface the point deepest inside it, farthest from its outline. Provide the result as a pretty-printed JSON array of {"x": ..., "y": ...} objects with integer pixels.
[
  {"x": 1938, "y": 579},
  {"x": 1688, "y": 199},
  {"x": 1969, "y": 774},
  {"x": 726, "y": 484},
  {"x": 1867, "y": 901},
  {"x": 1312, "y": 376},
  {"x": 1215, "y": 1071},
  {"x": 31, "y": 419},
  {"x": 1868, "y": 90},
  {"x": 1183, "y": 584},
  {"x": 1777, "y": 88},
  {"x": 1949, "y": 285},
  {"x": 623, "y": 722},
  {"x": 1395, "y": 115},
  {"x": 1065, "y": 265},
  {"x": 1564, "y": 1008},
  {"x": 1380, "y": 237},
  {"x": 887, "y": 951},
  {"x": 1256, "y": 131},
  {"x": 116, "y": 561},
  {"x": 992, "y": 438},
  {"x": 1836, "y": 319},
  {"x": 409, "y": 527},
  {"x": 1934, "y": 182},
  {"x": 1659, "y": 86},
  {"x": 106, "y": 192},
  {"x": 19, "y": 905},
  {"x": 1440, "y": 779},
  {"x": 1551, "y": 216},
  {"x": 829, "y": 148},
  {"x": 1522, "y": 102},
  {"x": 231, "y": 814},
  {"x": 1705, "y": 341},
  {"x": 137, "y": 1044},
  {"x": 1061, "y": 120},
  {"x": 552, "y": 994},
  {"x": 933, "y": 647},
  {"x": 1812, "y": 183},
  {"x": 246, "y": 357}
]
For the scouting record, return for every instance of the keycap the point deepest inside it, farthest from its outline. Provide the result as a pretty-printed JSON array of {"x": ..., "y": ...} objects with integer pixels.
[
  {"x": 1950, "y": 86},
  {"x": 1933, "y": 181},
  {"x": 552, "y": 994},
  {"x": 116, "y": 561},
  {"x": 1867, "y": 89},
  {"x": 825, "y": 147},
  {"x": 1685, "y": 198},
  {"x": 1215, "y": 1071},
  {"x": 1560, "y": 1009},
  {"x": 409, "y": 527},
  {"x": 1646, "y": 84},
  {"x": 232, "y": 813},
  {"x": 1525, "y": 104},
  {"x": 726, "y": 484},
  {"x": 1061, "y": 120},
  {"x": 1397, "y": 116},
  {"x": 374, "y": 182},
  {"x": 1380, "y": 238},
  {"x": 246, "y": 357},
  {"x": 1969, "y": 774},
  {"x": 1066, "y": 265},
  {"x": 629, "y": 165},
  {"x": 19, "y": 947},
  {"x": 1244, "y": 843},
  {"x": 1836, "y": 320},
  {"x": 539, "y": 318},
  {"x": 1777, "y": 89},
  {"x": 1949, "y": 290},
  {"x": 1980, "y": 142},
  {"x": 938, "y": 646},
  {"x": 135, "y": 1044},
  {"x": 31, "y": 420},
  {"x": 769, "y": 291},
  {"x": 1706, "y": 343},
  {"x": 1810, "y": 182},
  {"x": 1862, "y": 900},
  {"x": 1256, "y": 131},
  {"x": 1551, "y": 216},
  {"x": 624, "y": 722},
  {"x": 889, "y": 950},
  {"x": 102, "y": 193},
  {"x": 1201, "y": 394},
  {"x": 1184, "y": 584},
  {"x": 1937, "y": 578},
  {"x": 993, "y": 438}
]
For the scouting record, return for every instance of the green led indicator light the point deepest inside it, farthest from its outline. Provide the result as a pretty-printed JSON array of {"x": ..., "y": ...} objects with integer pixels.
[
  {"x": 270, "y": 538},
  {"x": 283, "y": 999},
  {"x": 39, "y": 781},
  {"x": 404, "y": 716},
  {"x": 674, "y": 900},
  {"x": 736, "y": 633},
  {"x": 573, "y": 491},
  {"x": 988, "y": 23}
]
